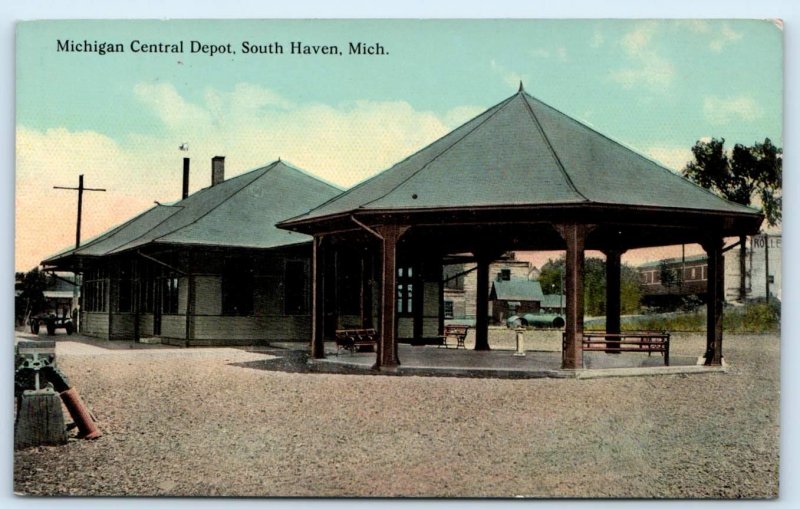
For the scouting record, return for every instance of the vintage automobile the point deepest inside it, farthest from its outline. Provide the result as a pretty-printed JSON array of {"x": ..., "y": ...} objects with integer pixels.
[{"x": 51, "y": 322}]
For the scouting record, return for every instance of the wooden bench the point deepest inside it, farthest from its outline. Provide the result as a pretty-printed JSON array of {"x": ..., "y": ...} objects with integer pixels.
[
  {"x": 650, "y": 342},
  {"x": 459, "y": 332},
  {"x": 352, "y": 339}
]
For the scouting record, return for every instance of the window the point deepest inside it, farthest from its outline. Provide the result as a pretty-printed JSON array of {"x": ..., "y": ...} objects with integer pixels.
[
  {"x": 125, "y": 287},
  {"x": 454, "y": 277},
  {"x": 504, "y": 275},
  {"x": 169, "y": 295},
  {"x": 405, "y": 290},
  {"x": 95, "y": 290},
  {"x": 296, "y": 296},
  {"x": 147, "y": 287},
  {"x": 349, "y": 276},
  {"x": 237, "y": 290},
  {"x": 448, "y": 309}
]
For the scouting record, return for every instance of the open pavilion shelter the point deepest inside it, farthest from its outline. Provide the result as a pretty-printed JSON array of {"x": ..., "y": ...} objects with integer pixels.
[{"x": 519, "y": 176}]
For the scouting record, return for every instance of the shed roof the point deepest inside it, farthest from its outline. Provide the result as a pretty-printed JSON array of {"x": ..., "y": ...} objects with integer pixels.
[
  {"x": 239, "y": 212},
  {"x": 517, "y": 289},
  {"x": 521, "y": 152},
  {"x": 555, "y": 300}
]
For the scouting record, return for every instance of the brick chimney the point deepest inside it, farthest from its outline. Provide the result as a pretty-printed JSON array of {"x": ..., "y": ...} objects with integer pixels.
[
  {"x": 217, "y": 170},
  {"x": 185, "y": 192}
]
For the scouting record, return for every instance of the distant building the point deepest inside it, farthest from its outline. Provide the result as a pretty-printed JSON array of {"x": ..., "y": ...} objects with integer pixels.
[
  {"x": 460, "y": 285},
  {"x": 760, "y": 250},
  {"x": 554, "y": 304},
  {"x": 60, "y": 297},
  {"x": 516, "y": 296},
  {"x": 665, "y": 282},
  {"x": 689, "y": 276}
]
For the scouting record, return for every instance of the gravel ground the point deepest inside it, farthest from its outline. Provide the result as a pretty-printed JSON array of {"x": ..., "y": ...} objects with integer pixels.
[{"x": 202, "y": 422}]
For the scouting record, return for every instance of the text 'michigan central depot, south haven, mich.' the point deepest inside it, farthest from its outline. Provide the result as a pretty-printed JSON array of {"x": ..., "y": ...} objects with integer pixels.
[{"x": 211, "y": 49}]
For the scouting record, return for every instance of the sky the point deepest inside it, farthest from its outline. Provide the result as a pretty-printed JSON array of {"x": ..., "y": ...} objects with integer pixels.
[{"x": 655, "y": 86}]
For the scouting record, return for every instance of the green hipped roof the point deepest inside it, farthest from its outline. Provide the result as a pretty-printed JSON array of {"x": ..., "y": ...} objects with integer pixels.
[
  {"x": 517, "y": 290},
  {"x": 554, "y": 301},
  {"x": 522, "y": 152},
  {"x": 239, "y": 212}
]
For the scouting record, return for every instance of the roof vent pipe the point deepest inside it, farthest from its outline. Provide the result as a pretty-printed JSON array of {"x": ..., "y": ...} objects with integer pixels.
[
  {"x": 185, "y": 192},
  {"x": 217, "y": 170}
]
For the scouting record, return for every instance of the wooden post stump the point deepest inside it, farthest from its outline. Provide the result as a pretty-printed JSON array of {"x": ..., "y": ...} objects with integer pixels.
[{"x": 40, "y": 420}]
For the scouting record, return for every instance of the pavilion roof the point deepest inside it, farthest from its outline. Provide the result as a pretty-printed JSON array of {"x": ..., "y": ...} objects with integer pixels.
[
  {"x": 239, "y": 212},
  {"x": 521, "y": 152}
]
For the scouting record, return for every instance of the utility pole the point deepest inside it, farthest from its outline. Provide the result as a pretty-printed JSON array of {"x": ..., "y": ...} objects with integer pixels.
[
  {"x": 80, "y": 190},
  {"x": 766, "y": 263}
]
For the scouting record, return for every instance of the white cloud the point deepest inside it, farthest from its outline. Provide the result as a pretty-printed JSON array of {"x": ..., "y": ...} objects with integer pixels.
[
  {"x": 45, "y": 217},
  {"x": 511, "y": 78},
  {"x": 698, "y": 26},
  {"x": 725, "y": 36},
  {"x": 598, "y": 39},
  {"x": 560, "y": 53},
  {"x": 652, "y": 71},
  {"x": 672, "y": 157},
  {"x": 720, "y": 111},
  {"x": 250, "y": 125},
  {"x": 172, "y": 109},
  {"x": 648, "y": 67},
  {"x": 637, "y": 41}
]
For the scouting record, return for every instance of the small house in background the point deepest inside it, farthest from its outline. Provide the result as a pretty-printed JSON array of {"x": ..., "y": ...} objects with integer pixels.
[
  {"x": 514, "y": 297},
  {"x": 210, "y": 269},
  {"x": 60, "y": 297},
  {"x": 554, "y": 304},
  {"x": 461, "y": 284}
]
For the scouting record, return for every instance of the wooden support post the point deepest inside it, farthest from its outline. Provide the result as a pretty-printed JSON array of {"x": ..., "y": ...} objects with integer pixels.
[
  {"x": 441, "y": 297},
  {"x": 418, "y": 298},
  {"x": 191, "y": 298},
  {"x": 613, "y": 260},
  {"x": 575, "y": 237},
  {"x": 387, "y": 358},
  {"x": 482, "y": 304},
  {"x": 317, "y": 299},
  {"x": 716, "y": 298},
  {"x": 743, "y": 269}
]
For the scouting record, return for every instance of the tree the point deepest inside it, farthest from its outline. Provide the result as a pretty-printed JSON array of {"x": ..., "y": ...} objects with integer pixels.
[
  {"x": 668, "y": 275},
  {"x": 32, "y": 287},
  {"x": 594, "y": 285},
  {"x": 741, "y": 175}
]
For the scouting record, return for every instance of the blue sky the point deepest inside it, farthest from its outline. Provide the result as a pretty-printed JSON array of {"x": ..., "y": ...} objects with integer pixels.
[{"x": 656, "y": 86}]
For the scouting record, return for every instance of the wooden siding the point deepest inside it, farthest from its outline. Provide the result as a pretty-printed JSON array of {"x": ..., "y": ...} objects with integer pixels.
[
  {"x": 146, "y": 324},
  {"x": 519, "y": 269},
  {"x": 173, "y": 326},
  {"x": 183, "y": 292},
  {"x": 208, "y": 295},
  {"x": 236, "y": 330},
  {"x": 95, "y": 324},
  {"x": 122, "y": 325}
]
